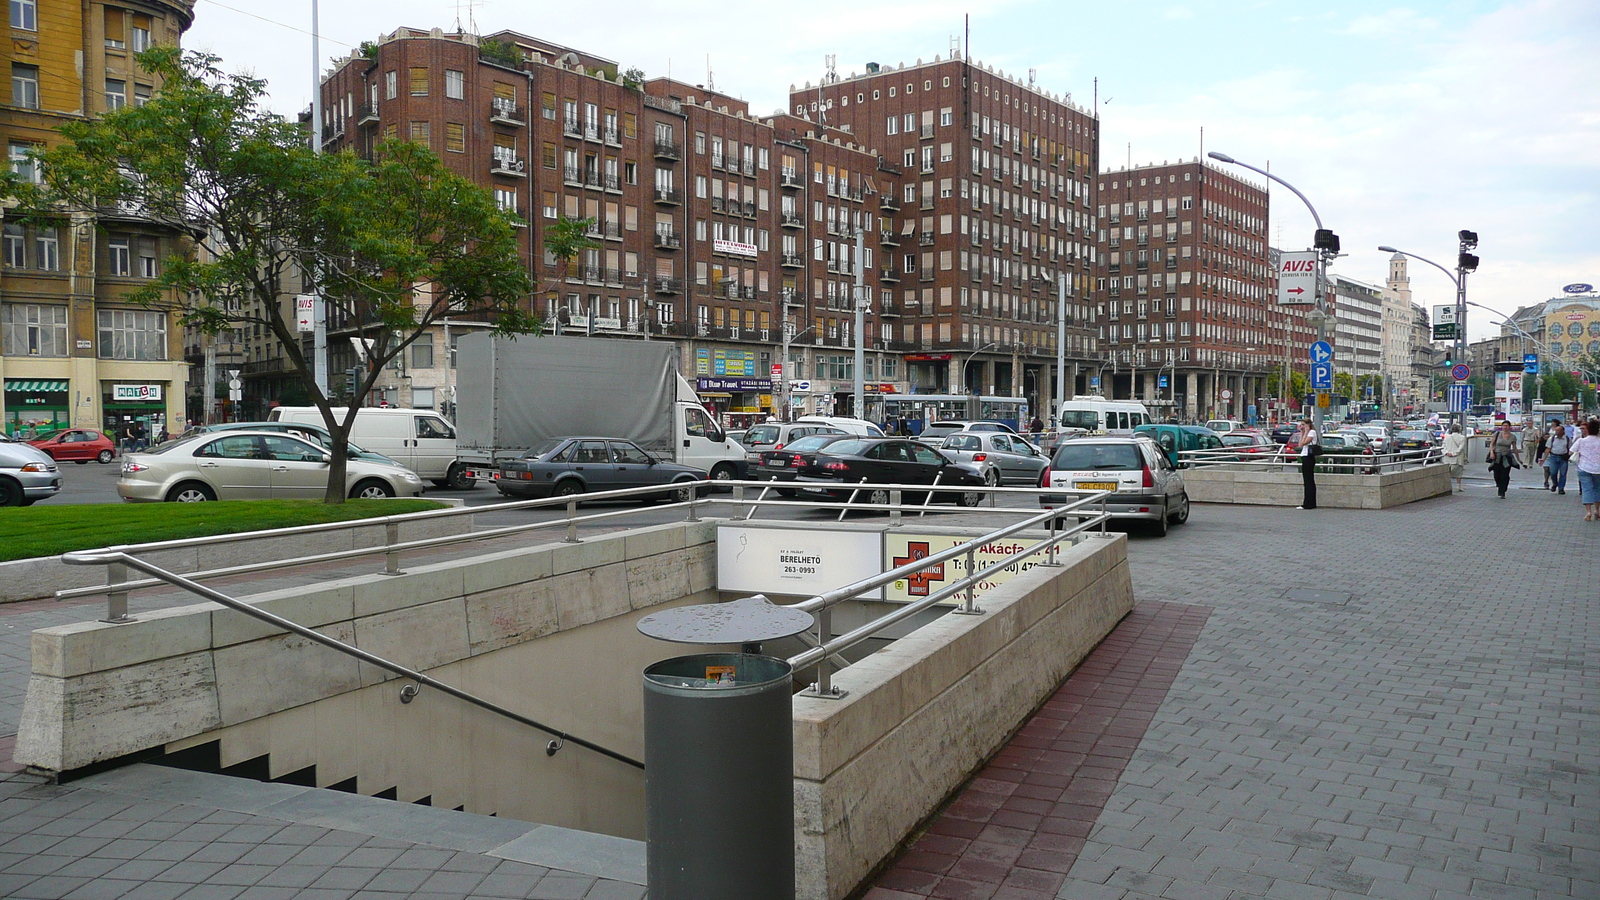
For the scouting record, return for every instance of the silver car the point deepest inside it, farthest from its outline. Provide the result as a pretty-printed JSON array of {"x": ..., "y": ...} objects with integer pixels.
[
  {"x": 1012, "y": 459},
  {"x": 27, "y": 474},
  {"x": 1144, "y": 484},
  {"x": 248, "y": 465}
]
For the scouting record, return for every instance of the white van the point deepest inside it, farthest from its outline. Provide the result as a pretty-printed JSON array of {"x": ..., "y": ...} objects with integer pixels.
[
  {"x": 419, "y": 439},
  {"x": 858, "y": 427},
  {"x": 1096, "y": 415}
]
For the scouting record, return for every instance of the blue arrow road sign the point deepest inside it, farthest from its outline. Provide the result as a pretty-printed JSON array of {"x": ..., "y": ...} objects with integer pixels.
[
  {"x": 1094, "y": 381},
  {"x": 1322, "y": 376},
  {"x": 1530, "y": 363},
  {"x": 1321, "y": 352},
  {"x": 1460, "y": 397},
  {"x": 1161, "y": 381}
]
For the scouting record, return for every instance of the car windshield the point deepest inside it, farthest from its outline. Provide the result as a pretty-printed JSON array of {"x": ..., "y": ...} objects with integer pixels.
[
  {"x": 1087, "y": 419},
  {"x": 761, "y": 434},
  {"x": 847, "y": 448},
  {"x": 1074, "y": 457},
  {"x": 1412, "y": 436},
  {"x": 543, "y": 448},
  {"x": 939, "y": 430},
  {"x": 811, "y": 442},
  {"x": 1238, "y": 440}
]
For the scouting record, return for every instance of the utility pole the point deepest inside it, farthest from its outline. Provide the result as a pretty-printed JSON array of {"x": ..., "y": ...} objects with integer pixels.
[
  {"x": 1465, "y": 262},
  {"x": 861, "y": 319},
  {"x": 1061, "y": 345}
]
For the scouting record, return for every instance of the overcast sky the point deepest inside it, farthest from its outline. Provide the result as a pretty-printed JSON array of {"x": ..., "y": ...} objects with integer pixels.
[{"x": 1403, "y": 124}]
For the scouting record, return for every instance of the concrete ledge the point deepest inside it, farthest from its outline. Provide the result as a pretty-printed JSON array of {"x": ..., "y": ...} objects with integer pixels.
[
  {"x": 1270, "y": 486},
  {"x": 923, "y": 713},
  {"x": 35, "y": 579}
]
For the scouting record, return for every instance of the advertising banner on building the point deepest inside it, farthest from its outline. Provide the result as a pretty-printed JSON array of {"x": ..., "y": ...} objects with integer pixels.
[
  {"x": 900, "y": 549},
  {"x": 135, "y": 393},
  {"x": 1297, "y": 278},
  {"x": 731, "y": 363}
]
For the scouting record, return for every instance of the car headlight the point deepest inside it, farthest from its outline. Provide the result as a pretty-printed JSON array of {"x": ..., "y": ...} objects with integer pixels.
[
  {"x": 36, "y": 467},
  {"x": 410, "y": 476}
]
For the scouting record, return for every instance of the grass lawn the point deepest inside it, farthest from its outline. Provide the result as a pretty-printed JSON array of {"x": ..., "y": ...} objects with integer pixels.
[{"x": 45, "y": 530}]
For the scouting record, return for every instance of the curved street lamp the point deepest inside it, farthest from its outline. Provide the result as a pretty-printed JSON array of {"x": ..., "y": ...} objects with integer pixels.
[{"x": 1465, "y": 263}]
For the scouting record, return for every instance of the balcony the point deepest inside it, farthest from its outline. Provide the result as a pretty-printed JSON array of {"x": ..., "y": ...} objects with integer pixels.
[
  {"x": 591, "y": 132},
  {"x": 332, "y": 133},
  {"x": 506, "y": 112},
  {"x": 747, "y": 166},
  {"x": 888, "y": 308},
  {"x": 888, "y": 201},
  {"x": 925, "y": 239},
  {"x": 367, "y": 114},
  {"x": 791, "y": 220},
  {"x": 667, "y": 239},
  {"x": 750, "y": 210},
  {"x": 927, "y": 132},
  {"x": 789, "y": 179},
  {"x": 792, "y": 297},
  {"x": 927, "y": 167},
  {"x": 612, "y": 136},
  {"x": 833, "y": 266},
  {"x": 613, "y": 230},
  {"x": 519, "y": 216},
  {"x": 717, "y": 161},
  {"x": 791, "y": 261},
  {"x": 668, "y": 150},
  {"x": 572, "y": 128},
  {"x": 573, "y": 176},
  {"x": 508, "y": 164},
  {"x": 591, "y": 178},
  {"x": 890, "y": 275},
  {"x": 668, "y": 285},
  {"x": 613, "y": 184},
  {"x": 888, "y": 238},
  {"x": 668, "y": 197},
  {"x": 593, "y": 274}
]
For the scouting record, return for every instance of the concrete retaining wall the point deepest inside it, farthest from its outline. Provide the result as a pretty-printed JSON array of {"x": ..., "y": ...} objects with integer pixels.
[
  {"x": 34, "y": 579},
  {"x": 547, "y": 631},
  {"x": 1266, "y": 486},
  {"x": 922, "y": 714}
]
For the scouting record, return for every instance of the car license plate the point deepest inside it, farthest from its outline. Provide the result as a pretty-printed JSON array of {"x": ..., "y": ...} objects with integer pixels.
[
  {"x": 1095, "y": 485},
  {"x": 777, "y": 463}
]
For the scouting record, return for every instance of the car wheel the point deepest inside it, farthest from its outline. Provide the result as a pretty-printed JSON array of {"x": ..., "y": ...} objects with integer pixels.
[
  {"x": 191, "y": 492},
  {"x": 458, "y": 478},
  {"x": 1182, "y": 515},
  {"x": 371, "y": 489},
  {"x": 568, "y": 488},
  {"x": 722, "y": 472},
  {"x": 104, "y": 457},
  {"x": 10, "y": 493},
  {"x": 684, "y": 492},
  {"x": 991, "y": 478},
  {"x": 970, "y": 499},
  {"x": 1159, "y": 526}
]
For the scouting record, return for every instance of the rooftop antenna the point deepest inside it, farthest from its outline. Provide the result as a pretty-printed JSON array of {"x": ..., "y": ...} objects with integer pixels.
[
  {"x": 711, "y": 82},
  {"x": 955, "y": 45},
  {"x": 831, "y": 62},
  {"x": 472, "y": 19},
  {"x": 1033, "y": 77}
]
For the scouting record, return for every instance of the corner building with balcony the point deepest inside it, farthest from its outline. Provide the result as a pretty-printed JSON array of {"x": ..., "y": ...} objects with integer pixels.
[
  {"x": 1189, "y": 294},
  {"x": 714, "y": 227},
  {"x": 994, "y": 211},
  {"x": 73, "y": 351}
]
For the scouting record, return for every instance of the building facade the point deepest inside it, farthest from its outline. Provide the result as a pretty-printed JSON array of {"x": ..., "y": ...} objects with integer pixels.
[
  {"x": 1358, "y": 333},
  {"x": 73, "y": 352},
  {"x": 1399, "y": 335},
  {"x": 1189, "y": 290}
]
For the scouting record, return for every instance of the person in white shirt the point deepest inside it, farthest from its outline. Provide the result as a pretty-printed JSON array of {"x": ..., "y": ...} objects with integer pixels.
[
  {"x": 1308, "y": 448},
  {"x": 1455, "y": 453},
  {"x": 1586, "y": 456}
]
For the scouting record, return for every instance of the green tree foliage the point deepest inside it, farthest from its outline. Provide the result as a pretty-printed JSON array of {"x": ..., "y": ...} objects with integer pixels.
[
  {"x": 502, "y": 53},
  {"x": 394, "y": 244}
]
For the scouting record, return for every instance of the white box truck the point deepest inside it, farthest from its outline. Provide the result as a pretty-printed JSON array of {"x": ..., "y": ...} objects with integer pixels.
[{"x": 513, "y": 393}]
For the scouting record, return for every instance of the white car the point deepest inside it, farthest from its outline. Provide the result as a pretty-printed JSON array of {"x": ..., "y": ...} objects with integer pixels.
[
  {"x": 1145, "y": 485},
  {"x": 249, "y": 465},
  {"x": 1223, "y": 426},
  {"x": 1003, "y": 458}
]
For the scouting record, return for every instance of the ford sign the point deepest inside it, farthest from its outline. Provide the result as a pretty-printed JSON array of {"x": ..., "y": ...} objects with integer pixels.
[{"x": 1578, "y": 289}]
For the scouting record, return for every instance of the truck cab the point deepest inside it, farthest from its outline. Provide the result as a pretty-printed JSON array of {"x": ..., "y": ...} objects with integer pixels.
[{"x": 701, "y": 442}]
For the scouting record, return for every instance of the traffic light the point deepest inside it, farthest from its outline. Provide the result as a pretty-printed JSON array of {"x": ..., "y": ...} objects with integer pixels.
[
  {"x": 1467, "y": 262},
  {"x": 1326, "y": 240},
  {"x": 352, "y": 380}
]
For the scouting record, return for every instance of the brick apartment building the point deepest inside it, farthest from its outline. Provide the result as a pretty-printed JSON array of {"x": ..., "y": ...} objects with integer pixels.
[
  {"x": 1189, "y": 292},
  {"x": 73, "y": 351},
  {"x": 718, "y": 226}
]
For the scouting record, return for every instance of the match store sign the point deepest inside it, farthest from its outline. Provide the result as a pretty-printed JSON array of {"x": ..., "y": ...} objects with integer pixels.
[{"x": 900, "y": 549}]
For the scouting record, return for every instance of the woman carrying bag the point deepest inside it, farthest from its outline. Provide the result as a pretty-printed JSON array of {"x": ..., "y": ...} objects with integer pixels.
[
  {"x": 1503, "y": 456},
  {"x": 1309, "y": 450}
]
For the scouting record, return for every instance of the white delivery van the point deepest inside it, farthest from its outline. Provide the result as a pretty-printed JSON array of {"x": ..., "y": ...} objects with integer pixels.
[
  {"x": 419, "y": 439},
  {"x": 1094, "y": 414},
  {"x": 858, "y": 427}
]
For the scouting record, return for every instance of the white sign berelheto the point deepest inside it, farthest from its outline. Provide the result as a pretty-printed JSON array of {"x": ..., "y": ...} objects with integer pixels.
[
  {"x": 796, "y": 561},
  {"x": 1297, "y": 278}
]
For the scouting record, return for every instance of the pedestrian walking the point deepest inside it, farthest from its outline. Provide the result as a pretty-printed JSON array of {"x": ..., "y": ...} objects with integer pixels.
[
  {"x": 1531, "y": 433},
  {"x": 1036, "y": 425},
  {"x": 1558, "y": 450},
  {"x": 1309, "y": 449},
  {"x": 1543, "y": 459},
  {"x": 1586, "y": 455},
  {"x": 1455, "y": 456},
  {"x": 1503, "y": 456}
]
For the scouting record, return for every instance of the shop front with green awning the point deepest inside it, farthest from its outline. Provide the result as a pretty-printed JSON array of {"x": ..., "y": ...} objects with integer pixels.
[{"x": 37, "y": 407}]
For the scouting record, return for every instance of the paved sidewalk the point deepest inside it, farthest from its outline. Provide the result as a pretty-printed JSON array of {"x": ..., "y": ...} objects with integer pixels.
[{"x": 1428, "y": 728}]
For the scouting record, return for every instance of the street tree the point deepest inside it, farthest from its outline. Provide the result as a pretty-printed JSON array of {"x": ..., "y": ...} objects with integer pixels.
[{"x": 394, "y": 244}]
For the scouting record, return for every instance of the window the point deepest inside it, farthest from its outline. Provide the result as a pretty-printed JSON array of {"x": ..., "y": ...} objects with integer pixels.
[
  {"x": 119, "y": 256},
  {"x": 422, "y": 356},
  {"x": 893, "y": 125},
  {"x": 32, "y": 329},
  {"x": 24, "y": 86},
  {"x": 455, "y": 137},
  {"x": 139, "y": 36},
  {"x": 421, "y": 132},
  {"x": 115, "y": 21},
  {"x": 141, "y": 94},
  {"x": 390, "y": 85},
  {"x": 16, "y": 243},
  {"x": 47, "y": 250},
  {"x": 148, "y": 267},
  {"x": 419, "y": 81},
  {"x": 132, "y": 334},
  {"x": 116, "y": 94},
  {"x": 25, "y": 15},
  {"x": 454, "y": 84}
]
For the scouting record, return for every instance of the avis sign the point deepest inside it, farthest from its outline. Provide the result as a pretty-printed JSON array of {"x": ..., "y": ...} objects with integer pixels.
[{"x": 1297, "y": 278}]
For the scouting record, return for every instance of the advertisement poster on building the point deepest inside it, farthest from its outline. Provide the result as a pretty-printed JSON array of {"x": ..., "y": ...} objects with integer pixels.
[{"x": 900, "y": 549}]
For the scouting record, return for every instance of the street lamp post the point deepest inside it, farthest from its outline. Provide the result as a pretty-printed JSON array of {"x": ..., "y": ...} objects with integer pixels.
[
  {"x": 1325, "y": 242},
  {"x": 1061, "y": 344},
  {"x": 1465, "y": 262},
  {"x": 789, "y": 334},
  {"x": 859, "y": 397},
  {"x": 964, "y": 363}
]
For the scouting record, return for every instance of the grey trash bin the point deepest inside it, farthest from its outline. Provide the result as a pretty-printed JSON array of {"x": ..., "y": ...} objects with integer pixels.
[{"x": 719, "y": 778}]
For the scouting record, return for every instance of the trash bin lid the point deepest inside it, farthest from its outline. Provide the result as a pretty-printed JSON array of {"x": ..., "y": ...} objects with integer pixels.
[{"x": 747, "y": 621}]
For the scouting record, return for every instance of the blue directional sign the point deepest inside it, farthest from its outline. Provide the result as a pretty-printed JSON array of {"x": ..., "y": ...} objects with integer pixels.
[
  {"x": 1094, "y": 381},
  {"x": 1460, "y": 396},
  {"x": 1161, "y": 381},
  {"x": 1322, "y": 376},
  {"x": 1321, "y": 352},
  {"x": 1530, "y": 363}
]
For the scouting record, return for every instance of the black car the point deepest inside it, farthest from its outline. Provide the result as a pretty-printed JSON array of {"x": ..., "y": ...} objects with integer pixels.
[
  {"x": 783, "y": 465},
  {"x": 839, "y": 467},
  {"x": 1281, "y": 434},
  {"x": 1412, "y": 440},
  {"x": 562, "y": 467}
]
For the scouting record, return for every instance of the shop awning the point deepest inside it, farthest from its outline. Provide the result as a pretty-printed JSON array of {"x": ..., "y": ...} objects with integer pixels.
[
  {"x": 37, "y": 385},
  {"x": 714, "y": 394}
]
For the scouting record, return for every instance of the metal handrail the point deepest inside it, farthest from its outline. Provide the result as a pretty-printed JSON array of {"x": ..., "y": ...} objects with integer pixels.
[
  {"x": 117, "y": 557},
  {"x": 1281, "y": 457}
]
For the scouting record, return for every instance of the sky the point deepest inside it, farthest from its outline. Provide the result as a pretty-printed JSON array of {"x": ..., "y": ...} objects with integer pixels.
[{"x": 1402, "y": 124}]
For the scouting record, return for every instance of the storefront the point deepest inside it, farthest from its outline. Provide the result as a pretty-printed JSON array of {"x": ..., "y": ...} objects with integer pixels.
[
  {"x": 37, "y": 407},
  {"x": 136, "y": 413},
  {"x": 736, "y": 402}
]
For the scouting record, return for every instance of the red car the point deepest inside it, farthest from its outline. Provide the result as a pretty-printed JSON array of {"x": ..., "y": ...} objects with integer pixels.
[
  {"x": 1249, "y": 444},
  {"x": 79, "y": 445}
]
